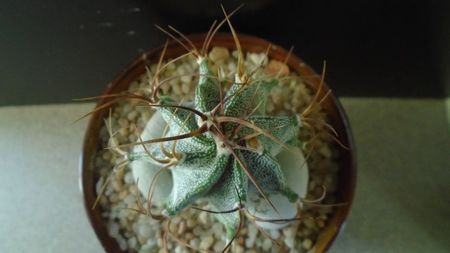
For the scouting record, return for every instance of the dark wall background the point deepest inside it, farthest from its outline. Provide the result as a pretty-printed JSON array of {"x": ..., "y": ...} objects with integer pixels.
[{"x": 53, "y": 51}]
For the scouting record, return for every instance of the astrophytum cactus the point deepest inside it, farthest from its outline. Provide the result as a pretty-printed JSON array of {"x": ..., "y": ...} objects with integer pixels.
[
  {"x": 224, "y": 149},
  {"x": 221, "y": 148}
]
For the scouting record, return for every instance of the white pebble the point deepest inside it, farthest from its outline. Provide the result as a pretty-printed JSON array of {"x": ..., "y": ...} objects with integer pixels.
[
  {"x": 207, "y": 242},
  {"x": 267, "y": 243},
  {"x": 239, "y": 249},
  {"x": 217, "y": 230},
  {"x": 113, "y": 229},
  {"x": 148, "y": 246},
  {"x": 122, "y": 243},
  {"x": 194, "y": 243},
  {"x": 132, "y": 243},
  {"x": 289, "y": 241},
  {"x": 144, "y": 231},
  {"x": 219, "y": 245},
  {"x": 257, "y": 59},
  {"x": 203, "y": 217},
  {"x": 128, "y": 178}
]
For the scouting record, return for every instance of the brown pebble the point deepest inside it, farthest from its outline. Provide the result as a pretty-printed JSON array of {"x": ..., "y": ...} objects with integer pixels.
[
  {"x": 181, "y": 228},
  {"x": 275, "y": 67}
]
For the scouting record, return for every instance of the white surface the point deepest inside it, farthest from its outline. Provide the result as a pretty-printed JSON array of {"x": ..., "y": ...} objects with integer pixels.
[{"x": 40, "y": 202}]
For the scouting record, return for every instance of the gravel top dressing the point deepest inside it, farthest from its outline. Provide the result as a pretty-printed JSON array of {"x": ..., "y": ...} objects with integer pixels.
[{"x": 194, "y": 230}]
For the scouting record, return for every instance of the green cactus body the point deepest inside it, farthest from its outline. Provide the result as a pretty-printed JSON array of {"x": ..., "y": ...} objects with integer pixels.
[{"x": 211, "y": 165}]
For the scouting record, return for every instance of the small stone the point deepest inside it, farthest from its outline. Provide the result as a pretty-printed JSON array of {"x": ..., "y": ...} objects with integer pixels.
[
  {"x": 180, "y": 249},
  {"x": 123, "y": 131},
  {"x": 217, "y": 229},
  {"x": 149, "y": 246},
  {"x": 267, "y": 243},
  {"x": 188, "y": 236},
  {"x": 185, "y": 80},
  {"x": 219, "y": 245},
  {"x": 194, "y": 243},
  {"x": 288, "y": 232},
  {"x": 219, "y": 54},
  {"x": 185, "y": 88},
  {"x": 197, "y": 231},
  {"x": 275, "y": 67},
  {"x": 132, "y": 243},
  {"x": 307, "y": 243},
  {"x": 144, "y": 231},
  {"x": 128, "y": 178},
  {"x": 309, "y": 223},
  {"x": 207, "y": 242},
  {"x": 123, "y": 195},
  {"x": 173, "y": 227},
  {"x": 181, "y": 228},
  {"x": 289, "y": 241},
  {"x": 123, "y": 122},
  {"x": 132, "y": 116},
  {"x": 203, "y": 217},
  {"x": 239, "y": 249},
  {"x": 106, "y": 156},
  {"x": 113, "y": 229},
  {"x": 191, "y": 223},
  {"x": 122, "y": 243},
  {"x": 257, "y": 59},
  {"x": 113, "y": 198}
]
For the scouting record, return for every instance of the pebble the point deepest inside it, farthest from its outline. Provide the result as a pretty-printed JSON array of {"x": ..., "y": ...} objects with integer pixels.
[
  {"x": 257, "y": 59},
  {"x": 275, "y": 67},
  {"x": 267, "y": 243},
  {"x": 207, "y": 242},
  {"x": 309, "y": 223},
  {"x": 203, "y": 217},
  {"x": 132, "y": 243},
  {"x": 219, "y": 245},
  {"x": 181, "y": 228},
  {"x": 131, "y": 117},
  {"x": 239, "y": 249},
  {"x": 194, "y": 243},
  {"x": 128, "y": 178},
  {"x": 145, "y": 231},
  {"x": 307, "y": 243},
  {"x": 217, "y": 229},
  {"x": 191, "y": 223},
  {"x": 289, "y": 241},
  {"x": 148, "y": 246},
  {"x": 219, "y": 54},
  {"x": 197, "y": 231},
  {"x": 113, "y": 229}
]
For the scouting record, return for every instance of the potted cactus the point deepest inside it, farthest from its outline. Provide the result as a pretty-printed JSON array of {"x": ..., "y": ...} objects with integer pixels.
[{"x": 210, "y": 139}]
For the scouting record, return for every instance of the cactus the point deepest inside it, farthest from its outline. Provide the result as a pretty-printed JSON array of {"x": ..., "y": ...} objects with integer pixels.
[
  {"x": 221, "y": 148},
  {"x": 231, "y": 144}
]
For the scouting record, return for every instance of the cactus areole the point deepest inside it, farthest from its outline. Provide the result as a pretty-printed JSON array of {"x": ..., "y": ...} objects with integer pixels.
[{"x": 224, "y": 149}]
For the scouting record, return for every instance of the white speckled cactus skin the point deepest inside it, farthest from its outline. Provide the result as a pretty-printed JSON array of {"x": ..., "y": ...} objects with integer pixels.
[{"x": 229, "y": 150}]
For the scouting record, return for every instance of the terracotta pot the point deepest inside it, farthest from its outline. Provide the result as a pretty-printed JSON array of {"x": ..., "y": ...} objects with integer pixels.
[{"x": 337, "y": 118}]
